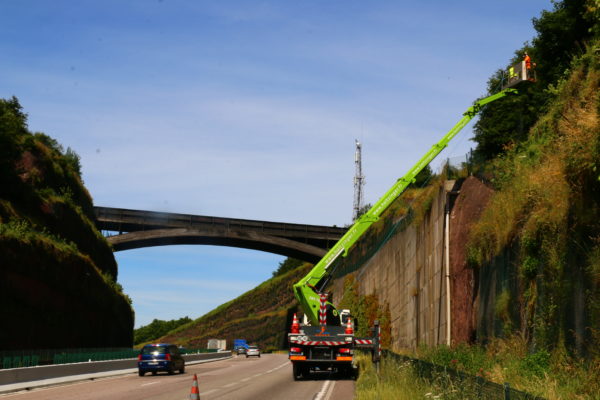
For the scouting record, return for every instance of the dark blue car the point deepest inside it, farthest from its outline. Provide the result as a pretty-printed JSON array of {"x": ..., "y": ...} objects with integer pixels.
[{"x": 160, "y": 357}]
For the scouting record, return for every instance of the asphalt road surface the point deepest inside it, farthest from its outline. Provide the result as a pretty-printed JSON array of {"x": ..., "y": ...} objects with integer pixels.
[{"x": 268, "y": 377}]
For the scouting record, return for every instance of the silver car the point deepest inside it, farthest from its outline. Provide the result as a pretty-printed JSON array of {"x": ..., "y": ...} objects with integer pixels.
[{"x": 252, "y": 351}]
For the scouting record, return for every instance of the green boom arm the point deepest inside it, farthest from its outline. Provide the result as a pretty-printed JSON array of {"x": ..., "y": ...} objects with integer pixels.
[{"x": 306, "y": 290}]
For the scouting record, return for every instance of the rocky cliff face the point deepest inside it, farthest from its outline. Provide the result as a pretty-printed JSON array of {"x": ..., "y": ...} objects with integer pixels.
[{"x": 57, "y": 273}]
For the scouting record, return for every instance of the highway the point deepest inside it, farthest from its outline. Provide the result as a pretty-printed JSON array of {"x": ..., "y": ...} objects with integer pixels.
[{"x": 268, "y": 377}]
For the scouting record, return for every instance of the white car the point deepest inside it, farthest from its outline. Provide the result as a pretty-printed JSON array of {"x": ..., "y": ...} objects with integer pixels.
[{"x": 252, "y": 351}]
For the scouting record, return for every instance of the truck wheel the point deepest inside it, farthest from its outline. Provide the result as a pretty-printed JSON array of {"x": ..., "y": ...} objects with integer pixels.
[
  {"x": 297, "y": 371},
  {"x": 182, "y": 370},
  {"x": 141, "y": 373}
]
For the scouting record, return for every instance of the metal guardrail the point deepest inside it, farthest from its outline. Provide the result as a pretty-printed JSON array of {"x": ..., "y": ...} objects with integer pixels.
[
  {"x": 14, "y": 379},
  {"x": 32, "y": 358},
  {"x": 482, "y": 388}
]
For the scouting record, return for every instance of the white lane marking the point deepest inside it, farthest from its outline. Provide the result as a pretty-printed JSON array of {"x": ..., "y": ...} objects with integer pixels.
[
  {"x": 245, "y": 380},
  {"x": 330, "y": 392},
  {"x": 325, "y": 393},
  {"x": 276, "y": 368},
  {"x": 151, "y": 383}
]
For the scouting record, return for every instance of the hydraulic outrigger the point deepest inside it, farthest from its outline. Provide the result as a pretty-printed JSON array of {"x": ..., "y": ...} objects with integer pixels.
[{"x": 323, "y": 344}]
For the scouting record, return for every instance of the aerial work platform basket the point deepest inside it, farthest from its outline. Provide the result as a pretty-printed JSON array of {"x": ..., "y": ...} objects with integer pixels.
[{"x": 520, "y": 72}]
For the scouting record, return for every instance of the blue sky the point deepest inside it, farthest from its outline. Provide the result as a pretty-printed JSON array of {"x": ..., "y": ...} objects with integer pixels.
[{"x": 247, "y": 109}]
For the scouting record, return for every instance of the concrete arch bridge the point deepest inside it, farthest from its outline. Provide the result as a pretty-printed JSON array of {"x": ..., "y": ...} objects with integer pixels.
[{"x": 137, "y": 228}]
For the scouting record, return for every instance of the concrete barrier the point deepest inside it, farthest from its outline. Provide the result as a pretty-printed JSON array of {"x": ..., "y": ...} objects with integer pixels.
[{"x": 26, "y": 378}]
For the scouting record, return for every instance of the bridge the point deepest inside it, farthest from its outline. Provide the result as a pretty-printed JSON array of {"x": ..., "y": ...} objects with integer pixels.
[{"x": 138, "y": 228}]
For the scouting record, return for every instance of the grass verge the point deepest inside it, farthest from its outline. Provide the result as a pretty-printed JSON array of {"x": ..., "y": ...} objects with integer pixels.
[{"x": 396, "y": 380}]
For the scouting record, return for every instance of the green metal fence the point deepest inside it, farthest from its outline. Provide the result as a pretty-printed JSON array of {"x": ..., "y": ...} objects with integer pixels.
[
  {"x": 481, "y": 388},
  {"x": 32, "y": 358}
]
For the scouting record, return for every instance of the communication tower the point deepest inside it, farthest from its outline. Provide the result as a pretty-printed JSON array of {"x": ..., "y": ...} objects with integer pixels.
[{"x": 359, "y": 181}]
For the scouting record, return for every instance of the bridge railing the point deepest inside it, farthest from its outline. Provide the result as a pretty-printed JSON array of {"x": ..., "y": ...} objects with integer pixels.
[{"x": 124, "y": 220}]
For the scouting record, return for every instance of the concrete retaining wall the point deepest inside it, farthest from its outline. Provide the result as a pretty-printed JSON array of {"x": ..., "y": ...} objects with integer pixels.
[{"x": 408, "y": 273}]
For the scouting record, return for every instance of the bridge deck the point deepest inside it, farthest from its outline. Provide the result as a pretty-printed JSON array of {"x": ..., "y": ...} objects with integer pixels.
[{"x": 172, "y": 228}]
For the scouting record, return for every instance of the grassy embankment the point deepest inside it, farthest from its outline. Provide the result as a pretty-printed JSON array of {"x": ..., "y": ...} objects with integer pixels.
[
  {"x": 261, "y": 316},
  {"x": 58, "y": 274},
  {"x": 504, "y": 360},
  {"x": 547, "y": 208}
]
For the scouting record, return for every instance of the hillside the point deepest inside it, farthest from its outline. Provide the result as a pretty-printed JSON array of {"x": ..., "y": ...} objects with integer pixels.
[
  {"x": 57, "y": 273},
  {"x": 543, "y": 221},
  {"x": 261, "y": 316}
]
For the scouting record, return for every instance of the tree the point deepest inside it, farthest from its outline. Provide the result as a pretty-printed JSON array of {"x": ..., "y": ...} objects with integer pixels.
[
  {"x": 287, "y": 265},
  {"x": 364, "y": 209},
  {"x": 73, "y": 160},
  {"x": 562, "y": 33},
  {"x": 423, "y": 177},
  {"x": 13, "y": 129},
  {"x": 507, "y": 120},
  {"x": 156, "y": 329}
]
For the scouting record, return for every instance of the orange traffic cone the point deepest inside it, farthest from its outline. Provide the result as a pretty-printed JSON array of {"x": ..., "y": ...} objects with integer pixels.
[
  {"x": 195, "y": 395},
  {"x": 295, "y": 325},
  {"x": 349, "y": 330}
]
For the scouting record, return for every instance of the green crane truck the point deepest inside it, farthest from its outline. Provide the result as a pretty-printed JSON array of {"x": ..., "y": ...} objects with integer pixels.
[{"x": 326, "y": 341}]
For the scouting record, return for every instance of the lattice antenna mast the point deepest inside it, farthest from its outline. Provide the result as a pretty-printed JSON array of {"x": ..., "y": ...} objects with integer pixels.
[{"x": 359, "y": 181}]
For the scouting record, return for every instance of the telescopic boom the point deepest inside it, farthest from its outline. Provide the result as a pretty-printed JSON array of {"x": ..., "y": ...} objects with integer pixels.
[{"x": 308, "y": 288}]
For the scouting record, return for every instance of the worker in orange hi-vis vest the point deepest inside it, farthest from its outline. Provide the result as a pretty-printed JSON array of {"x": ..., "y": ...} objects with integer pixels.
[{"x": 528, "y": 73}]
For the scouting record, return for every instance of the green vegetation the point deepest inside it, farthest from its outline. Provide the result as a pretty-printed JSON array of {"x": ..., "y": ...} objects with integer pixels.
[
  {"x": 422, "y": 179},
  {"x": 58, "y": 272},
  {"x": 287, "y": 265},
  {"x": 42, "y": 186},
  {"x": 395, "y": 381},
  {"x": 366, "y": 309},
  {"x": 363, "y": 210},
  {"x": 547, "y": 210},
  {"x": 403, "y": 379},
  {"x": 562, "y": 34},
  {"x": 552, "y": 376},
  {"x": 544, "y": 217},
  {"x": 503, "y": 360},
  {"x": 156, "y": 329}
]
